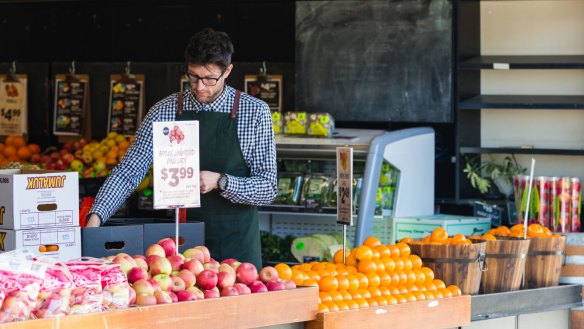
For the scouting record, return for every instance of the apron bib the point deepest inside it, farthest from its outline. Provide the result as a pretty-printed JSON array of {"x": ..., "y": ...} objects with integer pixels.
[{"x": 231, "y": 230}]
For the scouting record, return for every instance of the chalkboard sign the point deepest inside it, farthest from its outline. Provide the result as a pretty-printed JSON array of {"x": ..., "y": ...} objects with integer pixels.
[
  {"x": 493, "y": 212},
  {"x": 375, "y": 60}
]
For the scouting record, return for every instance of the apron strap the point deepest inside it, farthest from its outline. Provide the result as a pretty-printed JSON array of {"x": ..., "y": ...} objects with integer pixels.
[
  {"x": 235, "y": 105},
  {"x": 179, "y": 110}
]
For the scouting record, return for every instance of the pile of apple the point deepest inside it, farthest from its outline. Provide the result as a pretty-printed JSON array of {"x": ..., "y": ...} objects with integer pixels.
[{"x": 163, "y": 276}]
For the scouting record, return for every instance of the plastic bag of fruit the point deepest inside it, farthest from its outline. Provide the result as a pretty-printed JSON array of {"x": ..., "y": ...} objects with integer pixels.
[
  {"x": 86, "y": 296},
  {"x": 20, "y": 282},
  {"x": 55, "y": 294},
  {"x": 115, "y": 288}
]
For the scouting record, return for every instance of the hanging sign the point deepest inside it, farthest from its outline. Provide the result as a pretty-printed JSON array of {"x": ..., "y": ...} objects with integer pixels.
[
  {"x": 13, "y": 105},
  {"x": 176, "y": 164},
  {"x": 126, "y": 103},
  {"x": 71, "y": 104},
  {"x": 269, "y": 90},
  {"x": 345, "y": 185}
]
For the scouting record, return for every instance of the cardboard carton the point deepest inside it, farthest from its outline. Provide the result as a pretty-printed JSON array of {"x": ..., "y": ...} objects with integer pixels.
[{"x": 62, "y": 243}]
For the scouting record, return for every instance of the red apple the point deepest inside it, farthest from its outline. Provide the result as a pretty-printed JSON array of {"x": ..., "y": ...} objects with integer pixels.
[
  {"x": 178, "y": 284},
  {"x": 154, "y": 284},
  {"x": 268, "y": 274},
  {"x": 275, "y": 285},
  {"x": 186, "y": 295},
  {"x": 242, "y": 289},
  {"x": 168, "y": 245},
  {"x": 132, "y": 296},
  {"x": 198, "y": 292},
  {"x": 143, "y": 287},
  {"x": 173, "y": 296},
  {"x": 289, "y": 284},
  {"x": 257, "y": 286},
  {"x": 212, "y": 265},
  {"x": 162, "y": 297},
  {"x": 193, "y": 265},
  {"x": 160, "y": 266},
  {"x": 194, "y": 253},
  {"x": 188, "y": 277},
  {"x": 212, "y": 293},
  {"x": 164, "y": 281},
  {"x": 141, "y": 262},
  {"x": 246, "y": 273},
  {"x": 229, "y": 291},
  {"x": 151, "y": 258},
  {"x": 145, "y": 300},
  {"x": 207, "y": 279},
  {"x": 139, "y": 256},
  {"x": 125, "y": 261},
  {"x": 137, "y": 273},
  {"x": 155, "y": 249},
  {"x": 234, "y": 263},
  {"x": 225, "y": 279},
  {"x": 176, "y": 262},
  {"x": 206, "y": 252}
]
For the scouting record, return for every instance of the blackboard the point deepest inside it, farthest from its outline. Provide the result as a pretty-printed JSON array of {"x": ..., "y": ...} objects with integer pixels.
[{"x": 366, "y": 60}]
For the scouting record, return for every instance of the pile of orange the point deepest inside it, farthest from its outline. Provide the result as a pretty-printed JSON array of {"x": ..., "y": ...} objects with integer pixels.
[
  {"x": 374, "y": 274},
  {"x": 534, "y": 230},
  {"x": 15, "y": 149},
  {"x": 440, "y": 236}
]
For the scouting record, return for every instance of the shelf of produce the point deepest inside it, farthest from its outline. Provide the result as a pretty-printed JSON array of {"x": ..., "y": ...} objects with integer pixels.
[
  {"x": 249, "y": 311},
  {"x": 512, "y": 303},
  {"x": 443, "y": 313}
]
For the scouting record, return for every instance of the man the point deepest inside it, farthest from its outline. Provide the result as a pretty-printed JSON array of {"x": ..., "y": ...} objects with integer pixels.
[{"x": 237, "y": 152}]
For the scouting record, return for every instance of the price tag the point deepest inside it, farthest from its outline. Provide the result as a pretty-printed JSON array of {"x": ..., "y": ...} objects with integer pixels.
[
  {"x": 345, "y": 185},
  {"x": 13, "y": 111},
  {"x": 176, "y": 164}
]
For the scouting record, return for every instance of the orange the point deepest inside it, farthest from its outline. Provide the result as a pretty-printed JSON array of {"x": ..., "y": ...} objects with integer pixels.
[
  {"x": 366, "y": 265},
  {"x": 380, "y": 265},
  {"x": 409, "y": 297},
  {"x": 547, "y": 232},
  {"x": 458, "y": 239},
  {"x": 430, "y": 286},
  {"x": 475, "y": 237},
  {"x": 399, "y": 264},
  {"x": 407, "y": 240},
  {"x": 384, "y": 291},
  {"x": 34, "y": 148},
  {"x": 410, "y": 277},
  {"x": 363, "y": 253},
  {"x": 421, "y": 286},
  {"x": 492, "y": 231},
  {"x": 404, "y": 249},
  {"x": 383, "y": 250},
  {"x": 332, "y": 306},
  {"x": 391, "y": 300},
  {"x": 388, "y": 263},
  {"x": 419, "y": 295},
  {"x": 429, "y": 295},
  {"x": 328, "y": 283},
  {"x": 312, "y": 275},
  {"x": 9, "y": 150},
  {"x": 17, "y": 141},
  {"x": 375, "y": 254},
  {"x": 284, "y": 271},
  {"x": 428, "y": 274},
  {"x": 372, "y": 302},
  {"x": 365, "y": 293},
  {"x": 336, "y": 295},
  {"x": 438, "y": 294},
  {"x": 394, "y": 250},
  {"x": 373, "y": 279},
  {"x": 395, "y": 279},
  {"x": 407, "y": 263},
  {"x": 322, "y": 308},
  {"x": 400, "y": 299},
  {"x": 439, "y": 234},
  {"x": 427, "y": 239},
  {"x": 455, "y": 290},
  {"x": 298, "y": 277},
  {"x": 363, "y": 280},
  {"x": 502, "y": 231},
  {"x": 342, "y": 305},
  {"x": 420, "y": 276},
  {"x": 535, "y": 230},
  {"x": 439, "y": 284},
  {"x": 355, "y": 294},
  {"x": 394, "y": 290},
  {"x": 446, "y": 292},
  {"x": 384, "y": 278},
  {"x": 23, "y": 153},
  {"x": 416, "y": 261},
  {"x": 324, "y": 296},
  {"x": 516, "y": 233},
  {"x": 309, "y": 283},
  {"x": 374, "y": 291},
  {"x": 343, "y": 282},
  {"x": 371, "y": 242},
  {"x": 362, "y": 302},
  {"x": 353, "y": 305},
  {"x": 317, "y": 266},
  {"x": 338, "y": 257},
  {"x": 488, "y": 236},
  {"x": 345, "y": 295},
  {"x": 353, "y": 282},
  {"x": 381, "y": 301}
]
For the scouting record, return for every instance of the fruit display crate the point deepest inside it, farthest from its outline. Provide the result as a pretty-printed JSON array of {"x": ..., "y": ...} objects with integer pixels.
[
  {"x": 247, "y": 311},
  {"x": 443, "y": 313}
]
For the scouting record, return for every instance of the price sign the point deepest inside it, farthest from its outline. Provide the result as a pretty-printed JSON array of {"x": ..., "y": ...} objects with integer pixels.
[
  {"x": 176, "y": 164},
  {"x": 13, "y": 106},
  {"x": 345, "y": 185}
]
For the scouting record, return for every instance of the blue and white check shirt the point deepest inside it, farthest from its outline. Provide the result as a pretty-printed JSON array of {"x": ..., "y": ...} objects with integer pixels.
[{"x": 256, "y": 137}]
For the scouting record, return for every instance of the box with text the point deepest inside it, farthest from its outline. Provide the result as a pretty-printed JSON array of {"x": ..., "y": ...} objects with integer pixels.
[{"x": 62, "y": 243}]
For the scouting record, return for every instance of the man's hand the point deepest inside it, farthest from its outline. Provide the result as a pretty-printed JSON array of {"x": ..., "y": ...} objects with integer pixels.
[
  {"x": 208, "y": 181},
  {"x": 93, "y": 221}
]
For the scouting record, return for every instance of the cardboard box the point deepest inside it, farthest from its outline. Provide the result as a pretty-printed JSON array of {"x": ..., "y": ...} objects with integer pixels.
[
  {"x": 190, "y": 234},
  {"x": 62, "y": 243},
  {"x": 37, "y": 199},
  {"x": 111, "y": 240},
  {"x": 419, "y": 227}
]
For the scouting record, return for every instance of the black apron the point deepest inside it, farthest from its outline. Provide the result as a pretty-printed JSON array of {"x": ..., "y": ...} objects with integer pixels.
[{"x": 231, "y": 230}]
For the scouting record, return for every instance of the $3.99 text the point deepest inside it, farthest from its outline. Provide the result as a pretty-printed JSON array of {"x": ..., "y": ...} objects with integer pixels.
[{"x": 176, "y": 174}]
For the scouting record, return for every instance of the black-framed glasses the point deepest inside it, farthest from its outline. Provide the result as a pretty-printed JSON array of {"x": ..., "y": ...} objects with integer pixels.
[{"x": 194, "y": 79}]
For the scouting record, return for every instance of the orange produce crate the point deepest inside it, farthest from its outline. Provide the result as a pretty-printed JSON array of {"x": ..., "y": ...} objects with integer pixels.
[
  {"x": 443, "y": 313},
  {"x": 248, "y": 311}
]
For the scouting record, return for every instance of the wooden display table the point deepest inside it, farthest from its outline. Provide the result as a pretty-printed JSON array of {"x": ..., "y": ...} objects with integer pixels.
[
  {"x": 249, "y": 311},
  {"x": 443, "y": 313}
]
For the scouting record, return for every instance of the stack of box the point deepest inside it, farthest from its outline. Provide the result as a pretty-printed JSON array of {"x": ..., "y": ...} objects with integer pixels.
[{"x": 39, "y": 212}]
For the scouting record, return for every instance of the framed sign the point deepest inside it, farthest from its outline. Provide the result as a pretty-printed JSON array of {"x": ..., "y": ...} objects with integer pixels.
[
  {"x": 269, "y": 90},
  {"x": 13, "y": 105},
  {"x": 126, "y": 103},
  {"x": 345, "y": 185},
  {"x": 71, "y": 104}
]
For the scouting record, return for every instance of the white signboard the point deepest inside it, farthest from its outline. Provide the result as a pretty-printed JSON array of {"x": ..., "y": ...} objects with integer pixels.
[
  {"x": 345, "y": 185},
  {"x": 176, "y": 164},
  {"x": 13, "y": 106}
]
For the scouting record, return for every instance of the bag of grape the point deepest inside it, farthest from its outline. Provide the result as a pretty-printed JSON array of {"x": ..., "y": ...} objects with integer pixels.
[
  {"x": 55, "y": 294},
  {"x": 20, "y": 282},
  {"x": 115, "y": 288},
  {"x": 86, "y": 296}
]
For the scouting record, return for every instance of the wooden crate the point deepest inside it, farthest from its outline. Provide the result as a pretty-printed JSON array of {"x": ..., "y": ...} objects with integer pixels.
[
  {"x": 570, "y": 269},
  {"x": 249, "y": 311},
  {"x": 443, "y": 313}
]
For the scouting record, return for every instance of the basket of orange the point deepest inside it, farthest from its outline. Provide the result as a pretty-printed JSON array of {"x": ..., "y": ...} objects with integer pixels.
[
  {"x": 457, "y": 260},
  {"x": 545, "y": 257}
]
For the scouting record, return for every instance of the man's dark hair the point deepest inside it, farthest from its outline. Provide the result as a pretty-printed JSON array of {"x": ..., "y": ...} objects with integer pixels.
[{"x": 209, "y": 47}]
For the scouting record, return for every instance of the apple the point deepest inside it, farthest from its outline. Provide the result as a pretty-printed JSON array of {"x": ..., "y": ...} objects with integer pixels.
[
  {"x": 257, "y": 286},
  {"x": 242, "y": 289},
  {"x": 189, "y": 278},
  {"x": 125, "y": 261},
  {"x": 160, "y": 266},
  {"x": 234, "y": 263},
  {"x": 178, "y": 284},
  {"x": 151, "y": 258},
  {"x": 68, "y": 158},
  {"x": 136, "y": 273},
  {"x": 154, "y": 284},
  {"x": 132, "y": 296},
  {"x": 212, "y": 293},
  {"x": 246, "y": 273},
  {"x": 228, "y": 291},
  {"x": 212, "y": 265},
  {"x": 143, "y": 287},
  {"x": 176, "y": 262},
  {"x": 168, "y": 245},
  {"x": 162, "y": 297},
  {"x": 207, "y": 279},
  {"x": 193, "y": 265},
  {"x": 275, "y": 285},
  {"x": 206, "y": 253},
  {"x": 268, "y": 273},
  {"x": 193, "y": 253},
  {"x": 141, "y": 263},
  {"x": 198, "y": 292},
  {"x": 186, "y": 295},
  {"x": 289, "y": 284},
  {"x": 155, "y": 249},
  {"x": 164, "y": 281},
  {"x": 225, "y": 279},
  {"x": 139, "y": 256},
  {"x": 173, "y": 296},
  {"x": 145, "y": 300},
  {"x": 75, "y": 165}
]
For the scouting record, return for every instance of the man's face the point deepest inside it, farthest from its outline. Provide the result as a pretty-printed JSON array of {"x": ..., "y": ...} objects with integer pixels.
[{"x": 205, "y": 77}]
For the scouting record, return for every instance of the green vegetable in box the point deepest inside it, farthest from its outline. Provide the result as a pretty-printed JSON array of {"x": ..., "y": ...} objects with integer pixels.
[
  {"x": 321, "y": 124},
  {"x": 315, "y": 190},
  {"x": 289, "y": 188},
  {"x": 318, "y": 247},
  {"x": 295, "y": 123},
  {"x": 277, "y": 122}
]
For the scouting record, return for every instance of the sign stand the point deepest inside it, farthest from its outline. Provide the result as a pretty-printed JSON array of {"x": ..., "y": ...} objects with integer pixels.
[{"x": 345, "y": 191}]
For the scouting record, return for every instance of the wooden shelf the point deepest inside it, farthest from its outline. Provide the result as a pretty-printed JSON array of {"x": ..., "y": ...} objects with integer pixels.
[
  {"x": 443, "y": 313},
  {"x": 524, "y": 62},
  {"x": 519, "y": 150},
  {"x": 527, "y": 102},
  {"x": 249, "y": 311}
]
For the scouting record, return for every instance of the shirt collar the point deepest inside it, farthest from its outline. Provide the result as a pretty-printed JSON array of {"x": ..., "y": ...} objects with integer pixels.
[{"x": 221, "y": 104}]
